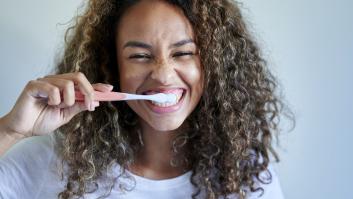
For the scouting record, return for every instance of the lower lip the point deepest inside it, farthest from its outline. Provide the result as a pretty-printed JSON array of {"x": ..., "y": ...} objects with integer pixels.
[{"x": 169, "y": 109}]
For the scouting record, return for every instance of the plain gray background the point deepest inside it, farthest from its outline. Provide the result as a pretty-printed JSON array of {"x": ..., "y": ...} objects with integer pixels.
[{"x": 308, "y": 45}]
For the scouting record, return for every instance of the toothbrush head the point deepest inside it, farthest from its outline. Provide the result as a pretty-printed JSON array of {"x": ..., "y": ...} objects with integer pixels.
[
  {"x": 166, "y": 98},
  {"x": 171, "y": 98}
]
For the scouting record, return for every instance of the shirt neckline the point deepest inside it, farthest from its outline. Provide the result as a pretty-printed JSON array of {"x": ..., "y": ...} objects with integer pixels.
[{"x": 146, "y": 183}]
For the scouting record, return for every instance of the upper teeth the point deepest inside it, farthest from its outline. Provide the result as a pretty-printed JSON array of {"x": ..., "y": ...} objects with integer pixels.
[{"x": 178, "y": 96}]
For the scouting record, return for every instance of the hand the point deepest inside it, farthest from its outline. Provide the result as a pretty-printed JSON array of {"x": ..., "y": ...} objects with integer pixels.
[{"x": 47, "y": 103}]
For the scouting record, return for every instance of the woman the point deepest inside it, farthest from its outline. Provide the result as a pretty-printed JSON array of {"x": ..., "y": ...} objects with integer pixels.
[{"x": 215, "y": 142}]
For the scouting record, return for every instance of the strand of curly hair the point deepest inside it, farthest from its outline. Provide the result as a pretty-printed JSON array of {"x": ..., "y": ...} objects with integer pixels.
[{"x": 229, "y": 133}]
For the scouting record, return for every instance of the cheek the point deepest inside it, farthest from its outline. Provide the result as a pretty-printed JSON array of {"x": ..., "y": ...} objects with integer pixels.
[
  {"x": 194, "y": 78},
  {"x": 130, "y": 78}
]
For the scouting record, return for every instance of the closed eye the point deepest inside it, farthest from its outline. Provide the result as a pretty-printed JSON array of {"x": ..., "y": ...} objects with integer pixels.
[
  {"x": 179, "y": 54},
  {"x": 140, "y": 56}
]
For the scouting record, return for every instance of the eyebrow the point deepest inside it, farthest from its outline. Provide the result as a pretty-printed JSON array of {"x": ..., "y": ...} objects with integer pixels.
[
  {"x": 139, "y": 44},
  {"x": 181, "y": 43}
]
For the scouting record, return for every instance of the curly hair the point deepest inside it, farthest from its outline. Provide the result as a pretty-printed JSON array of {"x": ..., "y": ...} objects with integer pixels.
[{"x": 230, "y": 131}]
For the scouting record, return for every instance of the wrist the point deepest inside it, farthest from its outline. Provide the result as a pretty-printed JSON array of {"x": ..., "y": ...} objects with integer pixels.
[
  {"x": 5, "y": 130},
  {"x": 8, "y": 138}
]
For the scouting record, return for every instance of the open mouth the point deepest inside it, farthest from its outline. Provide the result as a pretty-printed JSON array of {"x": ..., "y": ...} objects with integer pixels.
[{"x": 166, "y": 107}]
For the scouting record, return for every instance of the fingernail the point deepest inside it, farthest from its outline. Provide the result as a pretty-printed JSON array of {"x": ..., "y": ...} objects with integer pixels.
[
  {"x": 40, "y": 94},
  {"x": 95, "y": 103},
  {"x": 91, "y": 106},
  {"x": 108, "y": 86}
]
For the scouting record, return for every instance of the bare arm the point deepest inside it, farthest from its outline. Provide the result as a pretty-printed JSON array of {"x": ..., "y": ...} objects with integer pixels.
[
  {"x": 7, "y": 138},
  {"x": 33, "y": 115}
]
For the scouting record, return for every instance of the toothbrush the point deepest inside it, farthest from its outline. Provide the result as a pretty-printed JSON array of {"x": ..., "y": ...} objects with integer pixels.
[{"x": 118, "y": 96}]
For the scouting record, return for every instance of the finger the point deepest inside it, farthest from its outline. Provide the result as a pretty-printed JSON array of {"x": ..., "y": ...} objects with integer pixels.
[
  {"x": 102, "y": 87},
  {"x": 65, "y": 86},
  {"x": 78, "y": 107},
  {"x": 40, "y": 89},
  {"x": 80, "y": 80}
]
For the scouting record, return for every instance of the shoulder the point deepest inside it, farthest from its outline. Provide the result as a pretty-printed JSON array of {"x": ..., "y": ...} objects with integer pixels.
[
  {"x": 25, "y": 165},
  {"x": 37, "y": 148},
  {"x": 270, "y": 185}
]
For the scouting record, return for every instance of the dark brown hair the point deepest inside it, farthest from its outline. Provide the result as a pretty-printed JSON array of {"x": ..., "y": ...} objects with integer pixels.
[{"x": 231, "y": 129}]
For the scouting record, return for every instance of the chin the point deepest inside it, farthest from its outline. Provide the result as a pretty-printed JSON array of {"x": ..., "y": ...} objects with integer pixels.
[{"x": 165, "y": 126}]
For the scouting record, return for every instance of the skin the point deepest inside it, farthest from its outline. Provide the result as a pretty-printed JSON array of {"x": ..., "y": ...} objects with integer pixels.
[
  {"x": 34, "y": 115},
  {"x": 167, "y": 58}
]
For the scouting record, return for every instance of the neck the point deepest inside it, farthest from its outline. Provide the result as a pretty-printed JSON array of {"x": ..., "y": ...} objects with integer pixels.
[{"x": 154, "y": 159}]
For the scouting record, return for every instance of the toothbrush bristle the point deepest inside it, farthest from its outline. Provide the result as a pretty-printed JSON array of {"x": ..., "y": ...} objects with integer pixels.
[
  {"x": 171, "y": 98},
  {"x": 167, "y": 98}
]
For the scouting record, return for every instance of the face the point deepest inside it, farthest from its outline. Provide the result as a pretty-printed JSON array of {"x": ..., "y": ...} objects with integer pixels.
[{"x": 157, "y": 53}]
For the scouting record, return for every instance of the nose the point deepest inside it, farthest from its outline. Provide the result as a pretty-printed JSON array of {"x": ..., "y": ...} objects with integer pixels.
[{"x": 163, "y": 72}]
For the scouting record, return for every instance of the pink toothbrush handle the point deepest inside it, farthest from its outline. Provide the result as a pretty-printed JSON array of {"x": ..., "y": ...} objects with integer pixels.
[{"x": 101, "y": 96}]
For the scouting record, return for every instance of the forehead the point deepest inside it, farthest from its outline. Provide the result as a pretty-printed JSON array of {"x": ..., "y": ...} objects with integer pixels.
[{"x": 152, "y": 21}]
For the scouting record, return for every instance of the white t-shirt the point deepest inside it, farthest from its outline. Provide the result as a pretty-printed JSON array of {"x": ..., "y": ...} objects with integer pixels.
[{"x": 29, "y": 170}]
